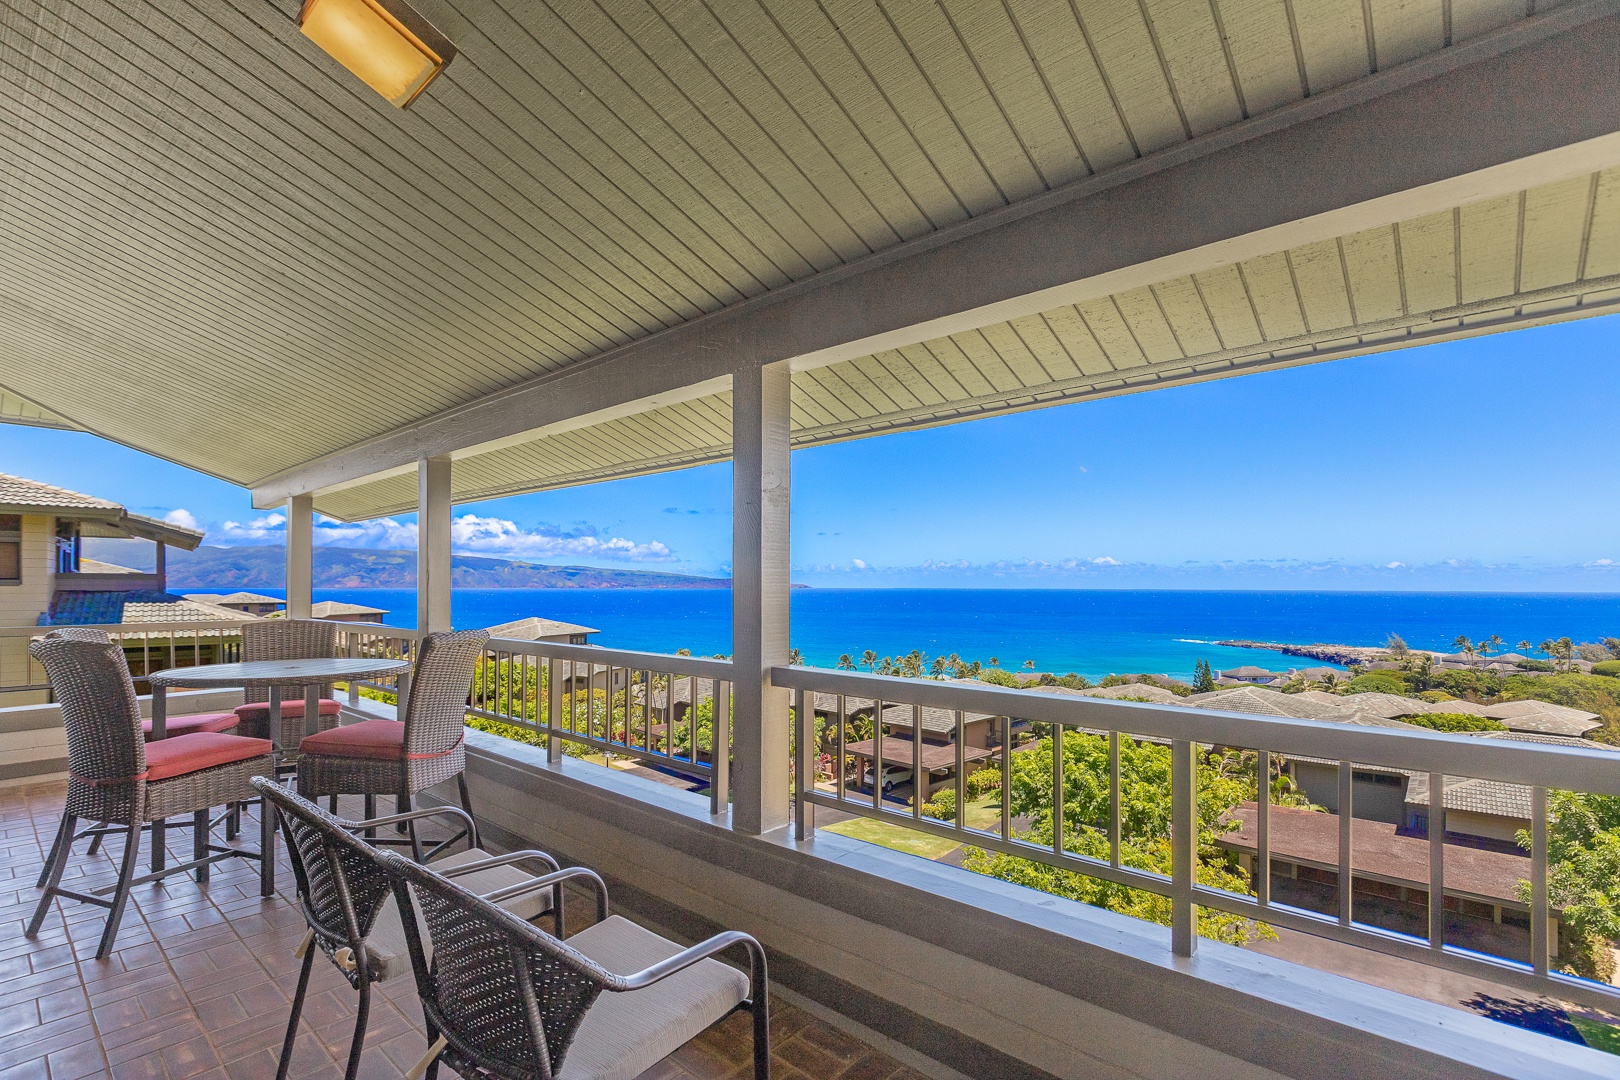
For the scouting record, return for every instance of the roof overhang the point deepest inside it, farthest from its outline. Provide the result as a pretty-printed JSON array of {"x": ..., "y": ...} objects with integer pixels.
[{"x": 552, "y": 265}]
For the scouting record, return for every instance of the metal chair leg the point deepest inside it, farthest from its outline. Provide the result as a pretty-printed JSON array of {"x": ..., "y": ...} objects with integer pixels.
[
  {"x": 64, "y": 838},
  {"x": 362, "y": 1015},
  {"x": 52, "y": 877},
  {"x": 95, "y": 844},
  {"x": 297, "y": 1011},
  {"x": 371, "y": 812},
  {"x": 126, "y": 874},
  {"x": 267, "y": 848},
  {"x": 416, "y": 842},
  {"x": 199, "y": 842},
  {"x": 762, "y": 1040},
  {"x": 466, "y": 796}
]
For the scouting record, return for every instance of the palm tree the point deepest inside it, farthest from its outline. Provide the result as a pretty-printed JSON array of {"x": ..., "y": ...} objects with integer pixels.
[
  {"x": 995, "y": 662},
  {"x": 937, "y": 668},
  {"x": 1029, "y": 665},
  {"x": 846, "y": 662},
  {"x": 1496, "y": 642},
  {"x": 795, "y": 658},
  {"x": 1546, "y": 648},
  {"x": 1463, "y": 645},
  {"x": 1566, "y": 652},
  {"x": 1524, "y": 647},
  {"x": 869, "y": 659}
]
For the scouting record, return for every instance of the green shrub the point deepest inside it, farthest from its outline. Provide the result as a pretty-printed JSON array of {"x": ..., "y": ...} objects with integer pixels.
[
  {"x": 1377, "y": 682},
  {"x": 1450, "y": 721},
  {"x": 1610, "y": 668},
  {"x": 997, "y": 677},
  {"x": 942, "y": 806},
  {"x": 981, "y": 782}
]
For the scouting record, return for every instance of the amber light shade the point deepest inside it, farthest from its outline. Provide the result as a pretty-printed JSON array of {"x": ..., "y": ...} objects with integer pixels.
[{"x": 387, "y": 46}]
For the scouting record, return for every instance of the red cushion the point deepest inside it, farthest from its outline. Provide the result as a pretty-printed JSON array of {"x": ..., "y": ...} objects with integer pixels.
[
  {"x": 185, "y": 725},
  {"x": 383, "y": 740},
  {"x": 289, "y": 709},
  {"x": 200, "y": 750}
]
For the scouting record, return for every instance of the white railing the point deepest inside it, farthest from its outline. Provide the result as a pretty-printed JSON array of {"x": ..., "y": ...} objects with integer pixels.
[
  {"x": 1188, "y": 733},
  {"x": 148, "y": 647},
  {"x": 670, "y": 712}
]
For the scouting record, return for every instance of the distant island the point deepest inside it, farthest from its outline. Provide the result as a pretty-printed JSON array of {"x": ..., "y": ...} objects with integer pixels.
[{"x": 364, "y": 568}]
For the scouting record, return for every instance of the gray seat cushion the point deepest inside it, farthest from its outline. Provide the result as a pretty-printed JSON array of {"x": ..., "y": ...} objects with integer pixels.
[
  {"x": 623, "y": 1035},
  {"x": 386, "y": 950}
]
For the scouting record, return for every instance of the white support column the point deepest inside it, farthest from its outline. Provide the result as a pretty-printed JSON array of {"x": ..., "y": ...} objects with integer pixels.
[
  {"x": 300, "y": 555},
  {"x": 433, "y": 544},
  {"x": 759, "y": 595}
]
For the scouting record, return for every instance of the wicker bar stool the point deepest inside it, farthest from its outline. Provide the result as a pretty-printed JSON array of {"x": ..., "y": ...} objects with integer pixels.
[
  {"x": 401, "y": 758},
  {"x": 345, "y": 898},
  {"x": 504, "y": 1000},
  {"x": 286, "y": 639},
  {"x": 116, "y": 778}
]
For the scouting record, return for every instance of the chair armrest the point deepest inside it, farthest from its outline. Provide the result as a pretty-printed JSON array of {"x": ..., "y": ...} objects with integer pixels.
[
  {"x": 412, "y": 815},
  {"x": 553, "y": 881},
  {"x": 497, "y": 860},
  {"x": 701, "y": 951}
]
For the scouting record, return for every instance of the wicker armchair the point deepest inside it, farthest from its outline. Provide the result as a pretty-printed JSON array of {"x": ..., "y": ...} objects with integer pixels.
[
  {"x": 389, "y": 757},
  {"x": 344, "y": 893},
  {"x": 504, "y": 1000},
  {"x": 116, "y": 778},
  {"x": 286, "y": 639}
]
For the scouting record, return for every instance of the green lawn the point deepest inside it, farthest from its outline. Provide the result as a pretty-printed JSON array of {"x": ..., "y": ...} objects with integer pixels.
[
  {"x": 984, "y": 812},
  {"x": 1598, "y": 1035},
  {"x": 896, "y": 837}
]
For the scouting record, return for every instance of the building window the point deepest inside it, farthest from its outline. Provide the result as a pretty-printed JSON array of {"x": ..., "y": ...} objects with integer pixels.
[
  {"x": 10, "y": 548},
  {"x": 67, "y": 547}
]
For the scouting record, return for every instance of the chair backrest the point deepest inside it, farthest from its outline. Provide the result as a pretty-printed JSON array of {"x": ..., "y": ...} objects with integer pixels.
[
  {"x": 436, "y": 711},
  {"x": 341, "y": 884},
  {"x": 102, "y": 718},
  {"x": 506, "y": 995},
  {"x": 287, "y": 639}
]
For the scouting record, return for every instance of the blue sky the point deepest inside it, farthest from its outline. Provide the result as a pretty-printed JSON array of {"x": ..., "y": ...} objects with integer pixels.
[{"x": 1481, "y": 464}]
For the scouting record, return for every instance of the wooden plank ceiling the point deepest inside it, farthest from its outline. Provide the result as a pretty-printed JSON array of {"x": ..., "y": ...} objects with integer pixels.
[
  {"x": 1548, "y": 253},
  {"x": 216, "y": 246}
]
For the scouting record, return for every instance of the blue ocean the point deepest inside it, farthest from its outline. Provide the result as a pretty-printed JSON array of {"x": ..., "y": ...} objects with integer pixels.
[{"x": 1093, "y": 633}]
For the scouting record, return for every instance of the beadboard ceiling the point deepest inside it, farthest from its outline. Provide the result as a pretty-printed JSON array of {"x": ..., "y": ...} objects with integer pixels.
[{"x": 218, "y": 247}]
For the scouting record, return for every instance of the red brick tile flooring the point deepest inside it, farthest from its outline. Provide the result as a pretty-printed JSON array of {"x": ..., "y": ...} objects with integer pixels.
[{"x": 203, "y": 975}]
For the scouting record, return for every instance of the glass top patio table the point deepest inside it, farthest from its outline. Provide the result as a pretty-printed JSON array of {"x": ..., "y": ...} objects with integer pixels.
[{"x": 272, "y": 675}]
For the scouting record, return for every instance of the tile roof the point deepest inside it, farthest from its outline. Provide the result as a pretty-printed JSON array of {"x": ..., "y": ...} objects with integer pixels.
[
  {"x": 1492, "y": 797},
  {"x": 534, "y": 628},
  {"x": 328, "y": 608},
  {"x": 16, "y": 491},
  {"x": 224, "y": 599},
  {"x": 1543, "y": 717},
  {"x": 1378, "y": 850},
  {"x": 76, "y": 608},
  {"x": 1146, "y": 691}
]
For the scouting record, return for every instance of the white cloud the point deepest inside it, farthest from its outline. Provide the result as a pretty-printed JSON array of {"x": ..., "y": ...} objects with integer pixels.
[
  {"x": 1603, "y": 562},
  {"x": 183, "y": 518},
  {"x": 270, "y": 529},
  {"x": 470, "y": 534},
  {"x": 1394, "y": 566},
  {"x": 859, "y": 564},
  {"x": 1106, "y": 560},
  {"x": 500, "y": 538}
]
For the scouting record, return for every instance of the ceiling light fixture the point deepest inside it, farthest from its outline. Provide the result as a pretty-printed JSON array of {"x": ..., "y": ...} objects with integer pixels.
[{"x": 386, "y": 44}]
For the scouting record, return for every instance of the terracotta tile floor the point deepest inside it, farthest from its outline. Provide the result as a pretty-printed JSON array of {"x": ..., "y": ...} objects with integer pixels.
[{"x": 201, "y": 981}]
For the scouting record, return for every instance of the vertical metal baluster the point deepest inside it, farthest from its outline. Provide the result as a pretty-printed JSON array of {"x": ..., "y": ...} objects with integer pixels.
[
  {"x": 354, "y": 654},
  {"x": 1346, "y": 816},
  {"x": 1262, "y": 828},
  {"x": 1006, "y": 777},
  {"x": 1183, "y": 846},
  {"x": 1057, "y": 789},
  {"x": 1540, "y": 936},
  {"x": 960, "y": 721},
  {"x": 804, "y": 768},
  {"x": 1113, "y": 800},
  {"x": 877, "y": 757},
  {"x": 838, "y": 766},
  {"x": 1437, "y": 860},
  {"x": 720, "y": 752},
  {"x": 554, "y": 743},
  {"x": 919, "y": 779}
]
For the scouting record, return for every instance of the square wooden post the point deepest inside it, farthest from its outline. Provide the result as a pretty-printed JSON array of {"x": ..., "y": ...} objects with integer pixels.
[
  {"x": 760, "y": 508},
  {"x": 300, "y": 555}
]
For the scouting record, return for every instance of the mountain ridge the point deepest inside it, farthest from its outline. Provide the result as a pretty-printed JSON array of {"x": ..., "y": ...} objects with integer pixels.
[{"x": 265, "y": 567}]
